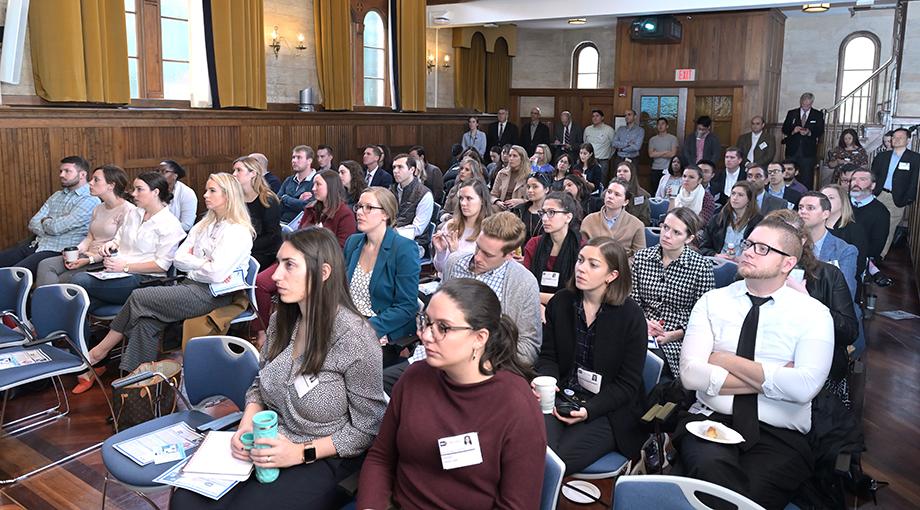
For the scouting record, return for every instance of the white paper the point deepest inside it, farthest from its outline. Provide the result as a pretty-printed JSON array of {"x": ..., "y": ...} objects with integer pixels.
[
  {"x": 22, "y": 358},
  {"x": 142, "y": 449},
  {"x": 103, "y": 275},
  {"x": 210, "y": 487},
  {"x": 898, "y": 315},
  {"x": 215, "y": 457},
  {"x": 429, "y": 288}
]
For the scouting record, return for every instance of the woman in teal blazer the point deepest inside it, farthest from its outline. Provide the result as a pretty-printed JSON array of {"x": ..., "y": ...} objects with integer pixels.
[{"x": 383, "y": 267}]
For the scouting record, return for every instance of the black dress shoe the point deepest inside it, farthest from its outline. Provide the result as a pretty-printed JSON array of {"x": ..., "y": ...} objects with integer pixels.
[{"x": 882, "y": 280}]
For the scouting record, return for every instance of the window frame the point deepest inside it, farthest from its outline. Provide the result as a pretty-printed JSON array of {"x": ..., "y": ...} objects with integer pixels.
[
  {"x": 360, "y": 9},
  {"x": 148, "y": 30},
  {"x": 576, "y": 56},
  {"x": 841, "y": 62}
]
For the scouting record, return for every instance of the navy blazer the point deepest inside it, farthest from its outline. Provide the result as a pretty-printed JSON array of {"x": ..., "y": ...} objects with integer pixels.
[
  {"x": 394, "y": 282},
  {"x": 904, "y": 181},
  {"x": 382, "y": 178},
  {"x": 837, "y": 252}
]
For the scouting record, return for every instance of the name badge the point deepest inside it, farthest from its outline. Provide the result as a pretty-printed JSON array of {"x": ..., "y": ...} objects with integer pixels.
[
  {"x": 460, "y": 451},
  {"x": 590, "y": 381},
  {"x": 812, "y": 121},
  {"x": 638, "y": 200},
  {"x": 762, "y": 146},
  {"x": 903, "y": 165},
  {"x": 550, "y": 279},
  {"x": 304, "y": 384},
  {"x": 700, "y": 408}
]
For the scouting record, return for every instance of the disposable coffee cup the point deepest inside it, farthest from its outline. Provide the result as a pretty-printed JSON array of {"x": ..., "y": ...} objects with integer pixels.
[
  {"x": 70, "y": 254},
  {"x": 546, "y": 388}
]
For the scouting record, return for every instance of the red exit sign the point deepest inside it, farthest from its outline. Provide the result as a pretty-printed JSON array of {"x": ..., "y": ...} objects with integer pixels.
[{"x": 685, "y": 75}]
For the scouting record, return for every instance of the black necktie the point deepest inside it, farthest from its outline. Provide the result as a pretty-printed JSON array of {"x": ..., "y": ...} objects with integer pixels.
[
  {"x": 565, "y": 136},
  {"x": 501, "y": 129},
  {"x": 744, "y": 408}
]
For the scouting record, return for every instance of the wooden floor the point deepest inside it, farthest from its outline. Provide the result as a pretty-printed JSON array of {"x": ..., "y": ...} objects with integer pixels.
[{"x": 892, "y": 410}]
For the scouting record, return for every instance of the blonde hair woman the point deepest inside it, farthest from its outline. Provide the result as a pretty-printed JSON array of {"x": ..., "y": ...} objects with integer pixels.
[
  {"x": 264, "y": 209},
  {"x": 216, "y": 247},
  {"x": 510, "y": 183}
]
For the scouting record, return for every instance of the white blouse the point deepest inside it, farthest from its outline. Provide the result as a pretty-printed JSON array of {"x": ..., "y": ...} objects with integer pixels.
[
  {"x": 156, "y": 239},
  {"x": 211, "y": 254},
  {"x": 184, "y": 205}
]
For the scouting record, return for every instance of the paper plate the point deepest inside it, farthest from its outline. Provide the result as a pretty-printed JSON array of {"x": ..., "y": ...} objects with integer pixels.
[
  {"x": 726, "y": 435},
  {"x": 577, "y": 497}
]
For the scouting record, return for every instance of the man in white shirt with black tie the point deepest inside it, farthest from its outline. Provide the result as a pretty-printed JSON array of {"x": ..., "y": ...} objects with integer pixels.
[{"x": 756, "y": 353}]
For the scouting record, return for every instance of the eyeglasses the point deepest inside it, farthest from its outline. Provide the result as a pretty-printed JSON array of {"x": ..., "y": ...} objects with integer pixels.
[
  {"x": 760, "y": 248},
  {"x": 774, "y": 172},
  {"x": 366, "y": 208},
  {"x": 439, "y": 331},
  {"x": 550, "y": 213}
]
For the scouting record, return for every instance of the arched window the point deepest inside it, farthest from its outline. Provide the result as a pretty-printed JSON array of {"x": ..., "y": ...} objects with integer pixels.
[
  {"x": 585, "y": 67},
  {"x": 858, "y": 58},
  {"x": 374, "y": 38}
]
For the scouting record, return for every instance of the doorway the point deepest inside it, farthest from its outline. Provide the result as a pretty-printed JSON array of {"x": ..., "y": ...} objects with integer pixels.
[{"x": 723, "y": 106}]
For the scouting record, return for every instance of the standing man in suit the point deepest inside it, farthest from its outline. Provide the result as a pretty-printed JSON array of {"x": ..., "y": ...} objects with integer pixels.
[
  {"x": 756, "y": 146},
  {"x": 502, "y": 132},
  {"x": 702, "y": 143},
  {"x": 534, "y": 133},
  {"x": 814, "y": 209},
  {"x": 374, "y": 174},
  {"x": 766, "y": 202},
  {"x": 803, "y": 128},
  {"x": 896, "y": 180},
  {"x": 722, "y": 184},
  {"x": 568, "y": 134}
]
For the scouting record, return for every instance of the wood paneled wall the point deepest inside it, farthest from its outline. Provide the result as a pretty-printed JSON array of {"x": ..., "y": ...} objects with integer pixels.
[
  {"x": 578, "y": 101},
  {"x": 33, "y": 140}
]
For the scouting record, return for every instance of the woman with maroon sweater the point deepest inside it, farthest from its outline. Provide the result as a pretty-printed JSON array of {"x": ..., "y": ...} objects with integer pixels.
[
  {"x": 471, "y": 391},
  {"x": 330, "y": 211}
]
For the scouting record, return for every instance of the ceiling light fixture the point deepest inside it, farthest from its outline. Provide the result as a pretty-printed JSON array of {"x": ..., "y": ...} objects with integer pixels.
[
  {"x": 577, "y": 21},
  {"x": 813, "y": 8}
]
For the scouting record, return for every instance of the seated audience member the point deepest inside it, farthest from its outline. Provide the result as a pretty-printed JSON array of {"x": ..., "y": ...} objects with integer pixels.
[
  {"x": 693, "y": 196},
  {"x": 790, "y": 172},
  {"x": 541, "y": 160},
  {"x": 668, "y": 280},
  {"x": 450, "y": 177},
  {"x": 843, "y": 175},
  {"x": 724, "y": 232},
  {"x": 352, "y": 176},
  {"x": 473, "y": 138},
  {"x": 429, "y": 174},
  {"x": 495, "y": 162},
  {"x": 296, "y": 190},
  {"x": 456, "y": 152},
  {"x": 502, "y": 163},
  {"x": 814, "y": 210},
  {"x": 588, "y": 167},
  {"x": 766, "y": 397},
  {"x": 594, "y": 342},
  {"x": 873, "y": 217},
  {"x": 184, "y": 203},
  {"x": 458, "y": 234},
  {"x": 708, "y": 169},
  {"x": 722, "y": 184},
  {"x": 776, "y": 185},
  {"x": 383, "y": 268},
  {"x": 271, "y": 179},
  {"x": 842, "y": 223},
  {"x": 206, "y": 257},
  {"x": 826, "y": 283},
  {"x": 551, "y": 256},
  {"x": 702, "y": 143},
  {"x": 579, "y": 189},
  {"x": 415, "y": 202},
  {"x": 109, "y": 185},
  {"x": 324, "y": 157},
  {"x": 669, "y": 185},
  {"x": 329, "y": 211},
  {"x": 766, "y": 202},
  {"x": 563, "y": 168},
  {"x": 613, "y": 221},
  {"x": 264, "y": 210},
  {"x": 510, "y": 182},
  {"x": 848, "y": 150},
  {"x": 386, "y": 162},
  {"x": 638, "y": 204},
  {"x": 323, "y": 431},
  {"x": 470, "y": 169},
  {"x": 374, "y": 175},
  {"x": 453, "y": 394},
  {"x": 529, "y": 211},
  {"x": 62, "y": 221}
]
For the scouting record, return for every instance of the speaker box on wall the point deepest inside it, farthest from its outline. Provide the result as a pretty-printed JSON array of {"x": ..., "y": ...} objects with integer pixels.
[{"x": 14, "y": 40}]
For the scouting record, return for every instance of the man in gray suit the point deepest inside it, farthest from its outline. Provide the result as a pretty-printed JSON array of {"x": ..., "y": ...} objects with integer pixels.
[
  {"x": 567, "y": 134},
  {"x": 757, "y": 176},
  {"x": 756, "y": 146}
]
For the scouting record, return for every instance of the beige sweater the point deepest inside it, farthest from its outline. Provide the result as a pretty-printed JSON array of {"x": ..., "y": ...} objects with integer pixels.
[{"x": 628, "y": 230}]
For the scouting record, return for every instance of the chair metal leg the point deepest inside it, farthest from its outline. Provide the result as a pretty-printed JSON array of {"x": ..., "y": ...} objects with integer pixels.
[
  {"x": 31, "y": 421},
  {"x": 105, "y": 487},
  {"x": 51, "y": 465}
]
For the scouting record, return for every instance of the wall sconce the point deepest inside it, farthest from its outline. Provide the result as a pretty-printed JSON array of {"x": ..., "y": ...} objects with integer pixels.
[
  {"x": 431, "y": 63},
  {"x": 275, "y": 45}
]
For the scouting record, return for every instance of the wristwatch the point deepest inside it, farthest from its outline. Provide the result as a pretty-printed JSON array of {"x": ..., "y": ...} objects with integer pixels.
[
  {"x": 125, "y": 269},
  {"x": 309, "y": 453}
]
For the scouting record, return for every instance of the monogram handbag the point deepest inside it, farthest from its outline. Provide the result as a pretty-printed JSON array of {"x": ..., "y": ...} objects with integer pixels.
[{"x": 150, "y": 398}]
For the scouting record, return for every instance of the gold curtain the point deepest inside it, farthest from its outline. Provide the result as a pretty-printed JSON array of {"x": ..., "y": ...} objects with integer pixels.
[
  {"x": 239, "y": 53},
  {"x": 332, "y": 23},
  {"x": 410, "y": 34},
  {"x": 470, "y": 76},
  {"x": 80, "y": 50},
  {"x": 498, "y": 77}
]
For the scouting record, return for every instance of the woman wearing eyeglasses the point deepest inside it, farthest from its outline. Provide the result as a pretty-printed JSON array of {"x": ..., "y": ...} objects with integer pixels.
[
  {"x": 594, "y": 343},
  {"x": 668, "y": 279},
  {"x": 383, "y": 270},
  {"x": 184, "y": 204},
  {"x": 551, "y": 256},
  {"x": 470, "y": 396}
]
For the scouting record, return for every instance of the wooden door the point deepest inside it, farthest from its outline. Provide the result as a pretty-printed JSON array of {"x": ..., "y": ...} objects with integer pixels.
[{"x": 723, "y": 105}]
